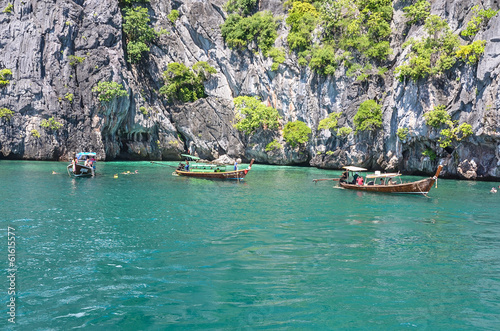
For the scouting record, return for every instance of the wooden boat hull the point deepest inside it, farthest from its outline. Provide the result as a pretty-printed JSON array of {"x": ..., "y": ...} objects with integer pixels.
[
  {"x": 419, "y": 187},
  {"x": 80, "y": 171},
  {"x": 237, "y": 174}
]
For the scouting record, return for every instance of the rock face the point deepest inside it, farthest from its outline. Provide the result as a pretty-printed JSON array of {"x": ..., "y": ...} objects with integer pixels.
[{"x": 38, "y": 38}]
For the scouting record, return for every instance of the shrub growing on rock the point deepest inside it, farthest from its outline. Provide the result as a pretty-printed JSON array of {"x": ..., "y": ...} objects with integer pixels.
[
  {"x": 296, "y": 133},
  {"x": 437, "y": 117},
  {"x": 252, "y": 114},
  {"x": 51, "y": 124},
  {"x": 329, "y": 123},
  {"x": 186, "y": 84},
  {"x": 368, "y": 117},
  {"x": 109, "y": 90},
  {"x": 4, "y": 77},
  {"x": 6, "y": 113}
]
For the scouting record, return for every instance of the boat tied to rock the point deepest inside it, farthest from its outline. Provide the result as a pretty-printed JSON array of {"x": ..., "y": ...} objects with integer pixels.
[{"x": 86, "y": 169}]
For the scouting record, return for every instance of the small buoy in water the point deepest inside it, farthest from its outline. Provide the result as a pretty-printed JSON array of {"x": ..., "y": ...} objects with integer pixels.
[{"x": 115, "y": 176}]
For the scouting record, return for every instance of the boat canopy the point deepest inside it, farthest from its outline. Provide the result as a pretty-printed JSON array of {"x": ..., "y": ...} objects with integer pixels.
[
  {"x": 387, "y": 175},
  {"x": 353, "y": 168},
  {"x": 190, "y": 156},
  {"x": 79, "y": 155}
]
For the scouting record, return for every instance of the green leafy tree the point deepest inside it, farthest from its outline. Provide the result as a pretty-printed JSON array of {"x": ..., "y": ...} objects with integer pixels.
[
  {"x": 35, "y": 133},
  {"x": 261, "y": 27},
  {"x": 471, "y": 53},
  {"x": 344, "y": 131},
  {"x": 432, "y": 55},
  {"x": 69, "y": 97},
  {"x": 6, "y": 113},
  {"x": 4, "y": 77},
  {"x": 186, "y": 84},
  {"x": 108, "y": 91},
  {"x": 51, "y": 124},
  {"x": 437, "y": 117},
  {"x": 9, "y": 8},
  {"x": 419, "y": 11},
  {"x": 302, "y": 19},
  {"x": 402, "y": 133},
  {"x": 139, "y": 33},
  {"x": 75, "y": 60},
  {"x": 480, "y": 19},
  {"x": 273, "y": 145},
  {"x": 278, "y": 56},
  {"x": 252, "y": 114},
  {"x": 368, "y": 117},
  {"x": 296, "y": 133},
  {"x": 454, "y": 133},
  {"x": 329, "y": 123},
  {"x": 173, "y": 16},
  {"x": 241, "y": 7}
]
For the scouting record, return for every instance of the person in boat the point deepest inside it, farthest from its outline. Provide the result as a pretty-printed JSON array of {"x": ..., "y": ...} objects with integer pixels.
[
  {"x": 235, "y": 165},
  {"x": 343, "y": 177},
  {"x": 186, "y": 167},
  {"x": 74, "y": 162},
  {"x": 382, "y": 182},
  {"x": 390, "y": 182},
  {"x": 359, "y": 181},
  {"x": 87, "y": 162},
  {"x": 355, "y": 178}
]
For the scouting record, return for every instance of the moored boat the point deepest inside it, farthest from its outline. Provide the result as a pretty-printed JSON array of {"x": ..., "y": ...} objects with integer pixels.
[
  {"x": 418, "y": 187},
  {"x": 209, "y": 170},
  {"x": 77, "y": 169}
]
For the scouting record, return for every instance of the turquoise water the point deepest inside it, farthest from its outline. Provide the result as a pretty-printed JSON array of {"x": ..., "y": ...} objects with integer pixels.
[{"x": 153, "y": 251}]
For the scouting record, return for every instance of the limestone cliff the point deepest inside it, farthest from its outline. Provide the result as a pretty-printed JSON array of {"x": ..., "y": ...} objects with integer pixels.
[{"x": 39, "y": 41}]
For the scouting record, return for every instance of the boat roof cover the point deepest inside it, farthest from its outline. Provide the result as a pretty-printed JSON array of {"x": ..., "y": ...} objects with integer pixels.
[
  {"x": 190, "y": 156},
  {"x": 85, "y": 154},
  {"x": 388, "y": 175},
  {"x": 353, "y": 168}
]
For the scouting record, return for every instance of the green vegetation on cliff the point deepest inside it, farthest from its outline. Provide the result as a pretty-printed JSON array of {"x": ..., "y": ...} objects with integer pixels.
[
  {"x": 252, "y": 114},
  {"x": 6, "y": 113},
  {"x": 439, "y": 117},
  {"x": 241, "y": 7},
  {"x": 107, "y": 91},
  {"x": 186, "y": 84},
  {"x": 296, "y": 133},
  {"x": 173, "y": 16},
  {"x": 51, "y": 124},
  {"x": 4, "y": 77},
  {"x": 139, "y": 33},
  {"x": 330, "y": 123},
  {"x": 480, "y": 19},
  {"x": 417, "y": 12},
  {"x": 368, "y": 117},
  {"x": 239, "y": 31},
  {"x": 471, "y": 53},
  {"x": 440, "y": 43}
]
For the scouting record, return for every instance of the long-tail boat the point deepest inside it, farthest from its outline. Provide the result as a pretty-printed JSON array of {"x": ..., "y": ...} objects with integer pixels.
[
  {"x": 209, "y": 170},
  {"x": 81, "y": 170},
  {"x": 385, "y": 186}
]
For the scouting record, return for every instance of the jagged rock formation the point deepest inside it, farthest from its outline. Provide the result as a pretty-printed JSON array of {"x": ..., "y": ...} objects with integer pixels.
[{"x": 38, "y": 37}]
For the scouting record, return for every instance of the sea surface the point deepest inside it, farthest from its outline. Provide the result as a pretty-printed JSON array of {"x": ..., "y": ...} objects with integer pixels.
[{"x": 152, "y": 251}]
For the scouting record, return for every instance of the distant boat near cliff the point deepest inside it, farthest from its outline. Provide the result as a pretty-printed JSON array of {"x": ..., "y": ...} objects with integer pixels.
[
  {"x": 385, "y": 184},
  {"x": 209, "y": 170},
  {"x": 79, "y": 169}
]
